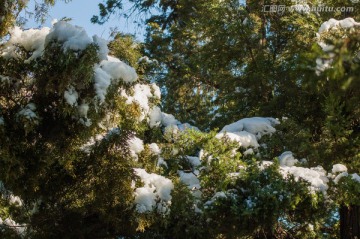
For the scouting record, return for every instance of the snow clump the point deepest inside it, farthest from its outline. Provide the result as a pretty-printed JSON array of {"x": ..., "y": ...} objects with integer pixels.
[{"x": 155, "y": 194}]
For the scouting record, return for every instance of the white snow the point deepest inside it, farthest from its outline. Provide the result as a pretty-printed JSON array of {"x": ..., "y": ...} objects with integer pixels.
[
  {"x": 244, "y": 138},
  {"x": 339, "y": 168},
  {"x": 214, "y": 198},
  {"x": 119, "y": 70},
  {"x": 156, "y": 89},
  {"x": 161, "y": 162},
  {"x": 71, "y": 96},
  {"x": 103, "y": 48},
  {"x": 325, "y": 47},
  {"x": 333, "y": 23},
  {"x": 173, "y": 125},
  {"x": 72, "y": 37},
  {"x": 189, "y": 179},
  {"x": 264, "y": 164},
  {"x": 147, "y": 60},
  {"x": 355, "y": 177},
  {"x": 339, "y": 176},
  {"x": 258, "y": 126},
  {"x": 32, "y": 40},
  {"x": 322, "y": 65},
  {"x": 83, "y": 111},
  {"x": 168, "y": 119},
  {"x": 15, "y": 200},
  {"x": 315, "y": 176},
  {"x": 194, "y": 161},
  {"x": 249, "y": 151},
  {"x": 102, "y": 83},
  {"x": 19, "y": 228},
  {"x": 155, "y": 188},
  {"x": 287, "y": 159},
  {"x": 155, "y": 148},
  {"x": 141, "y": 96},
  {"x": 155, "y": 117},
  {"x": 136, "y": 146}
]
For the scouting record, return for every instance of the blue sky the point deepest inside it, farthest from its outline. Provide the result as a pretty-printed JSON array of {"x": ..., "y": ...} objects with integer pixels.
[{"x": 81, "y": 11}]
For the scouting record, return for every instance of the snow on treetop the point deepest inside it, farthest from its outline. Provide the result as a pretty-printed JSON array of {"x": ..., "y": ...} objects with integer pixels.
[
  {"x": 35, "y": 40},
  {"x": 31, "y": 39},
  {"x": 72, "y": 37},
  {"x": 333, "y": 23}
]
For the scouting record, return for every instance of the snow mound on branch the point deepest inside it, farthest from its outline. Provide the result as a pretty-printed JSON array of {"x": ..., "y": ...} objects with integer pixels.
[
  {"x": 355, "y": 177},
  {"x": 141, "y": 96},
  {"x": 194, "y": 161},
  {"x": 83, "y": 110},
  {"x": 258, "y": 126},
  {"x": 315, "y": 176},
  {"x": 156, "y": 192},
  {"x": 156, "y": 89},
  {"x": 35, "y": 40},
  {"x": 155, "y": 117},
  {"x": 217, "y": 196},
  {"x": 333, "y": 23},
  {"x": 339, "y": 171},
  {"x": 287, "y": 159},
  {"x": 102, "y": 83},
  {"x": 72, "y": 37},
  {"x": 173, "y": 125},
  {"x": 339, "y": 168},
  {"x": 103, "y": 48},
  {"x": 118, "y": 69},
  {"x": 31, "y": 40},
  {"x": 189, "y": 179},
  {"x": 71, "y": 96},
  {"x": 155, "y": 149},
  {"x": 136, "y": 146},
  {"x": 322, "y": 65},
  {"x": 112, "y": 69},
  {"x": 339, "y": 176},
  {"x": 244, "y": 138}
]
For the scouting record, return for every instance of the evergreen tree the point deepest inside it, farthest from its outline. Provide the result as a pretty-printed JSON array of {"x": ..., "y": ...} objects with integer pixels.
[{"x": 69, "y": 126}]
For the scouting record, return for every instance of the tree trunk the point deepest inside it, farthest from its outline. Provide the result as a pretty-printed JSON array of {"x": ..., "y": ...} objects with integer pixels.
[{"x": 349, "y": 222}]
